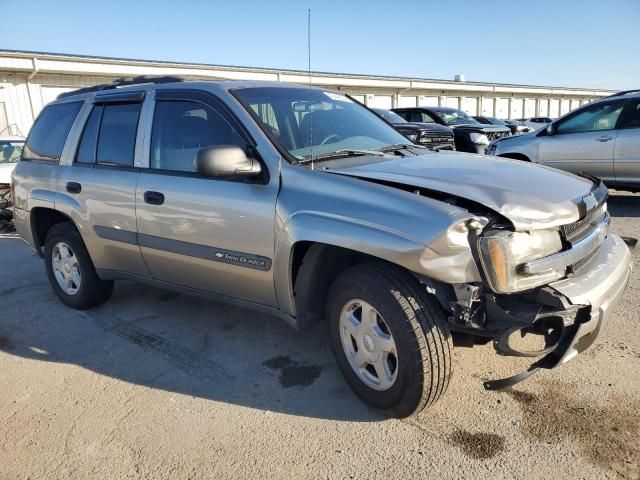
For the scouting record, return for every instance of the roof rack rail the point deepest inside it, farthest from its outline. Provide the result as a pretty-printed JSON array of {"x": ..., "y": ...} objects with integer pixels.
[
  {"x": 624, "y": 92},
  {"x": 121, "y": 82}
]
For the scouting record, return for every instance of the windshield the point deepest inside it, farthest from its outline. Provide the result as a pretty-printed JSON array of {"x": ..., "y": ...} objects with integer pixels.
[
  {"x": 389, "y": 116},
  {"x": 311, "y": 122},
  {"x": 10, "y": 151},
  {"x": 496, "y": 121},
  {"x": 455, "y": 117}
]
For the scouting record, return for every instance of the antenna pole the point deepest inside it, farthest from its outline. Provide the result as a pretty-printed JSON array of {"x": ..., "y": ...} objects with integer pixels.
[{"x": 309, "y": 70}]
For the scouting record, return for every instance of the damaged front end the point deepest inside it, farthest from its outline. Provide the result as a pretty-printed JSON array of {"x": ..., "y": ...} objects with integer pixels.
[{"x": 546, "y": 293}]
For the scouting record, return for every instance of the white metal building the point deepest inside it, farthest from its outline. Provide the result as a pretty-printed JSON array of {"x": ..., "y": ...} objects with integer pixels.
[{"x": 29, "y": 80}]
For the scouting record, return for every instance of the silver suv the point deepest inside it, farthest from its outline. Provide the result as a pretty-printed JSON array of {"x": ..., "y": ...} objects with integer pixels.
[
  {"x": 601, "y": 139},
  {"x": 303, "y": 203}
]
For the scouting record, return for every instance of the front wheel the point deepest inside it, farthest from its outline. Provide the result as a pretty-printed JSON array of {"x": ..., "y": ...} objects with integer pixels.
[{"x": 390, "y": 339}]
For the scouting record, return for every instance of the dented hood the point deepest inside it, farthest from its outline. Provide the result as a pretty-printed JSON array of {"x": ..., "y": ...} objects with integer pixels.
[{"x": 531, "y": 196}]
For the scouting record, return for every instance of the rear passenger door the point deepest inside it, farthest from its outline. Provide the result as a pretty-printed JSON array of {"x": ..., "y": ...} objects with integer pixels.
[
  {"x": 98, "y": 189},
  {"x": 210, "y": 234},
  {"x": 626, "y": 156}
]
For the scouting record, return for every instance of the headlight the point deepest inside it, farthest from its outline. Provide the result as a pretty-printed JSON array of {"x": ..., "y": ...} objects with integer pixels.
[
  {"x": 479, "y": 138},
  {"x": 413, "y": 137},
  {"x": 502, "y": 254}
]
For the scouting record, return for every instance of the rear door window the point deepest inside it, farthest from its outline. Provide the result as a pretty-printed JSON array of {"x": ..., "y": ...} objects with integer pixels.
[
  {"x": 632, "y": 116},
  {"x": 88, "y": 142},
  {"x": 117, "y": 137},
  {"x": 49, "y": 133}
]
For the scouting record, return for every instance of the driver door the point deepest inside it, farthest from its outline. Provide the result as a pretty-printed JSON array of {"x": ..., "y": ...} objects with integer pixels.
[
  {"x": 584, "y": 141},
  {"x": 210, "y": 234}
]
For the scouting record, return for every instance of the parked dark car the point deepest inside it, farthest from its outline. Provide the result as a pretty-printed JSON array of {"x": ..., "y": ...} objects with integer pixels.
[
  {"x": 469, "y": 134},
  {"x": 515, "y": 126},
  {"x": 430, "y": 135}
]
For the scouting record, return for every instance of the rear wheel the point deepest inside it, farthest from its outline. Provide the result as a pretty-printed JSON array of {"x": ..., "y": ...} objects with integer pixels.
[
  {"x": 70, "y": 269},
  {"x": 390, "y": 339}
]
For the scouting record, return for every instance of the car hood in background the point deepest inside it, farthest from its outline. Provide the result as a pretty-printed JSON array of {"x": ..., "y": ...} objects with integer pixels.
[
  {"x": 531, "y": 196},
  {"x": 430, "y": 127},
  {"x": 481, "y": 128}
]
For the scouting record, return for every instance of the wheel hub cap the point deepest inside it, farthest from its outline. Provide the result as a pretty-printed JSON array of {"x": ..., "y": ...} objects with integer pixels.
[
  {"x": 368, "y": 345},
  {"x": 66, "y": 268}
]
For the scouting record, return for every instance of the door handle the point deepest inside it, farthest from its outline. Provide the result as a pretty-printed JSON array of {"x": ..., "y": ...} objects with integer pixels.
[
  {"x": 153, "y": 198},
  {"x": 74, "y": 187},
  {"x": 604, "y": 138}
]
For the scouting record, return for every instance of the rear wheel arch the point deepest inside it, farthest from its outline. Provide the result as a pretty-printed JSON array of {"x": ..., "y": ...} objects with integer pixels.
[{"x": 42, "y": 219}]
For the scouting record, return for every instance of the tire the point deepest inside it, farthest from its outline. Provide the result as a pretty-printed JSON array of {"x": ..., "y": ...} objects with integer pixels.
[
  {"x": 91, "y": 291},
  {"x": 416, "y": 323}
]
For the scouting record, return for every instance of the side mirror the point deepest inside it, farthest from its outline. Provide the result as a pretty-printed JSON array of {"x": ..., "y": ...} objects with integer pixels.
[
  {"x": 226, "y": 161},
  {"x": 549, "y": 129}
]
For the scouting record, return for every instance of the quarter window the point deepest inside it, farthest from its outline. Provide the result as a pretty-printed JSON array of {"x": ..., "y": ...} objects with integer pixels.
[
  {"x": 181, "y": 128},
  {"x": 49, "y": 133},
  {"x": 592, "y": 119}
]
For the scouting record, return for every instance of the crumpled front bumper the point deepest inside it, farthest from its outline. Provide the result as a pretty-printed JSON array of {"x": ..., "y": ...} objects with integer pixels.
[
  {"x": 597, "y": 290},
  {"x": 600, "y": 287}
]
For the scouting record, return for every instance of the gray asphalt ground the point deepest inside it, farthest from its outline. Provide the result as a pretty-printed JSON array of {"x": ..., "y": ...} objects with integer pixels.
[{"x": 159, "y": 385}]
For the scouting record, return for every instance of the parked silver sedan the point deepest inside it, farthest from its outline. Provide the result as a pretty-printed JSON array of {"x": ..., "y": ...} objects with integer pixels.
[{"x": 601, "y": 139}]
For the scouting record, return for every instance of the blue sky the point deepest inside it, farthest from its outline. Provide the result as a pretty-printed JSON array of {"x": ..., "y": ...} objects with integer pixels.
[{"x": 593, "y": 44}]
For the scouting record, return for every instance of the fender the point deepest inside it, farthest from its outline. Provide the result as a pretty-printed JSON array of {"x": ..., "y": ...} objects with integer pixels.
[{"x": 370, "y": 239}]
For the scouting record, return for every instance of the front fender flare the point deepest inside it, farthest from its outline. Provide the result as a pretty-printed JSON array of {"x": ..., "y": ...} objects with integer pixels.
[{"x": 363, "y": 237}]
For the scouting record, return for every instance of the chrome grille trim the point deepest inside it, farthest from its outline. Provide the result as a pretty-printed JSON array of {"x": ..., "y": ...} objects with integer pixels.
[{"x": 579, "y": 251}]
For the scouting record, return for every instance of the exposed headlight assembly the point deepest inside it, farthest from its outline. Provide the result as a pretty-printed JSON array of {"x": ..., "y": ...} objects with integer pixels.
[
  {"x": 479, "y": 138},
  {"x": 502, "y": 254}
]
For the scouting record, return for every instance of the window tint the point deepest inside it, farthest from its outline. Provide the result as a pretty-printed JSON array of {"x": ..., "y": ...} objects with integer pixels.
[
  {"x": 426, "y": 118},
  {"x": 267, "y": 115},
  {"x": 48, "y": 134},
  {"x": 632, "y": 119},
  {"x": 182, "y": 128},
  {"x": 88, "y": 142},
  {"x": 117, "y": 139},
  {"x": 602, "y": 116}
]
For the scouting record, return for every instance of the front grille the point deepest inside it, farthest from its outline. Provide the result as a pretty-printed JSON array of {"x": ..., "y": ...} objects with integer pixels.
[
  {"x": 580, "y": 229},
  {"x": 496, "y": 135},
  {"x": 433, "y": 140}
]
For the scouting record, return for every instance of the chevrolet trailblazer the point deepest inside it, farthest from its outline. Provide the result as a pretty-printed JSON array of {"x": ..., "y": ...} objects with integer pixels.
[{"x": 300, "y": 202}]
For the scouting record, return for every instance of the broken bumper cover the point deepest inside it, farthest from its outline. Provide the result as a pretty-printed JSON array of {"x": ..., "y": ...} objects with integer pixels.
[
  {"x": 601, "y": 288},
  {"x": 597, "y": 290}
]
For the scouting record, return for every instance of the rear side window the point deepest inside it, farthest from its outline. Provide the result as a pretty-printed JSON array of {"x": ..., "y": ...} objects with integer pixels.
[
  {"x": 632, "y": 116},
  {"x": 49, "y": 132},
  {"x": 117, "y": 134},
  {"x": 88, "y": 143}
]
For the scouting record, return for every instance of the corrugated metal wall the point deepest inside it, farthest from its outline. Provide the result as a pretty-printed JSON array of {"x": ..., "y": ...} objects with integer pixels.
[{"x": 22, "y": 99}]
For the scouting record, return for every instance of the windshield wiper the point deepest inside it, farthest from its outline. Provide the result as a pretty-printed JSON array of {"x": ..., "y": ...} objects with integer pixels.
[
  {"x": 399, "y": 146},
  {"x": 340, "y": 154}
]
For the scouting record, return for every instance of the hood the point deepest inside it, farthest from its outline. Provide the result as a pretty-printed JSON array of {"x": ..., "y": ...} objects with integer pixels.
[
  {"x": 429, "y": 127},
  {"x": 5, "y": 173},
  {"x": 531, "y": 196},
  {"x": 481, "y": 128}
]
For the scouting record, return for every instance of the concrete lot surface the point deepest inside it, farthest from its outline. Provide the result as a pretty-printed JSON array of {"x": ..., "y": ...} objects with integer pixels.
[{"x": 159, "y": 385}]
